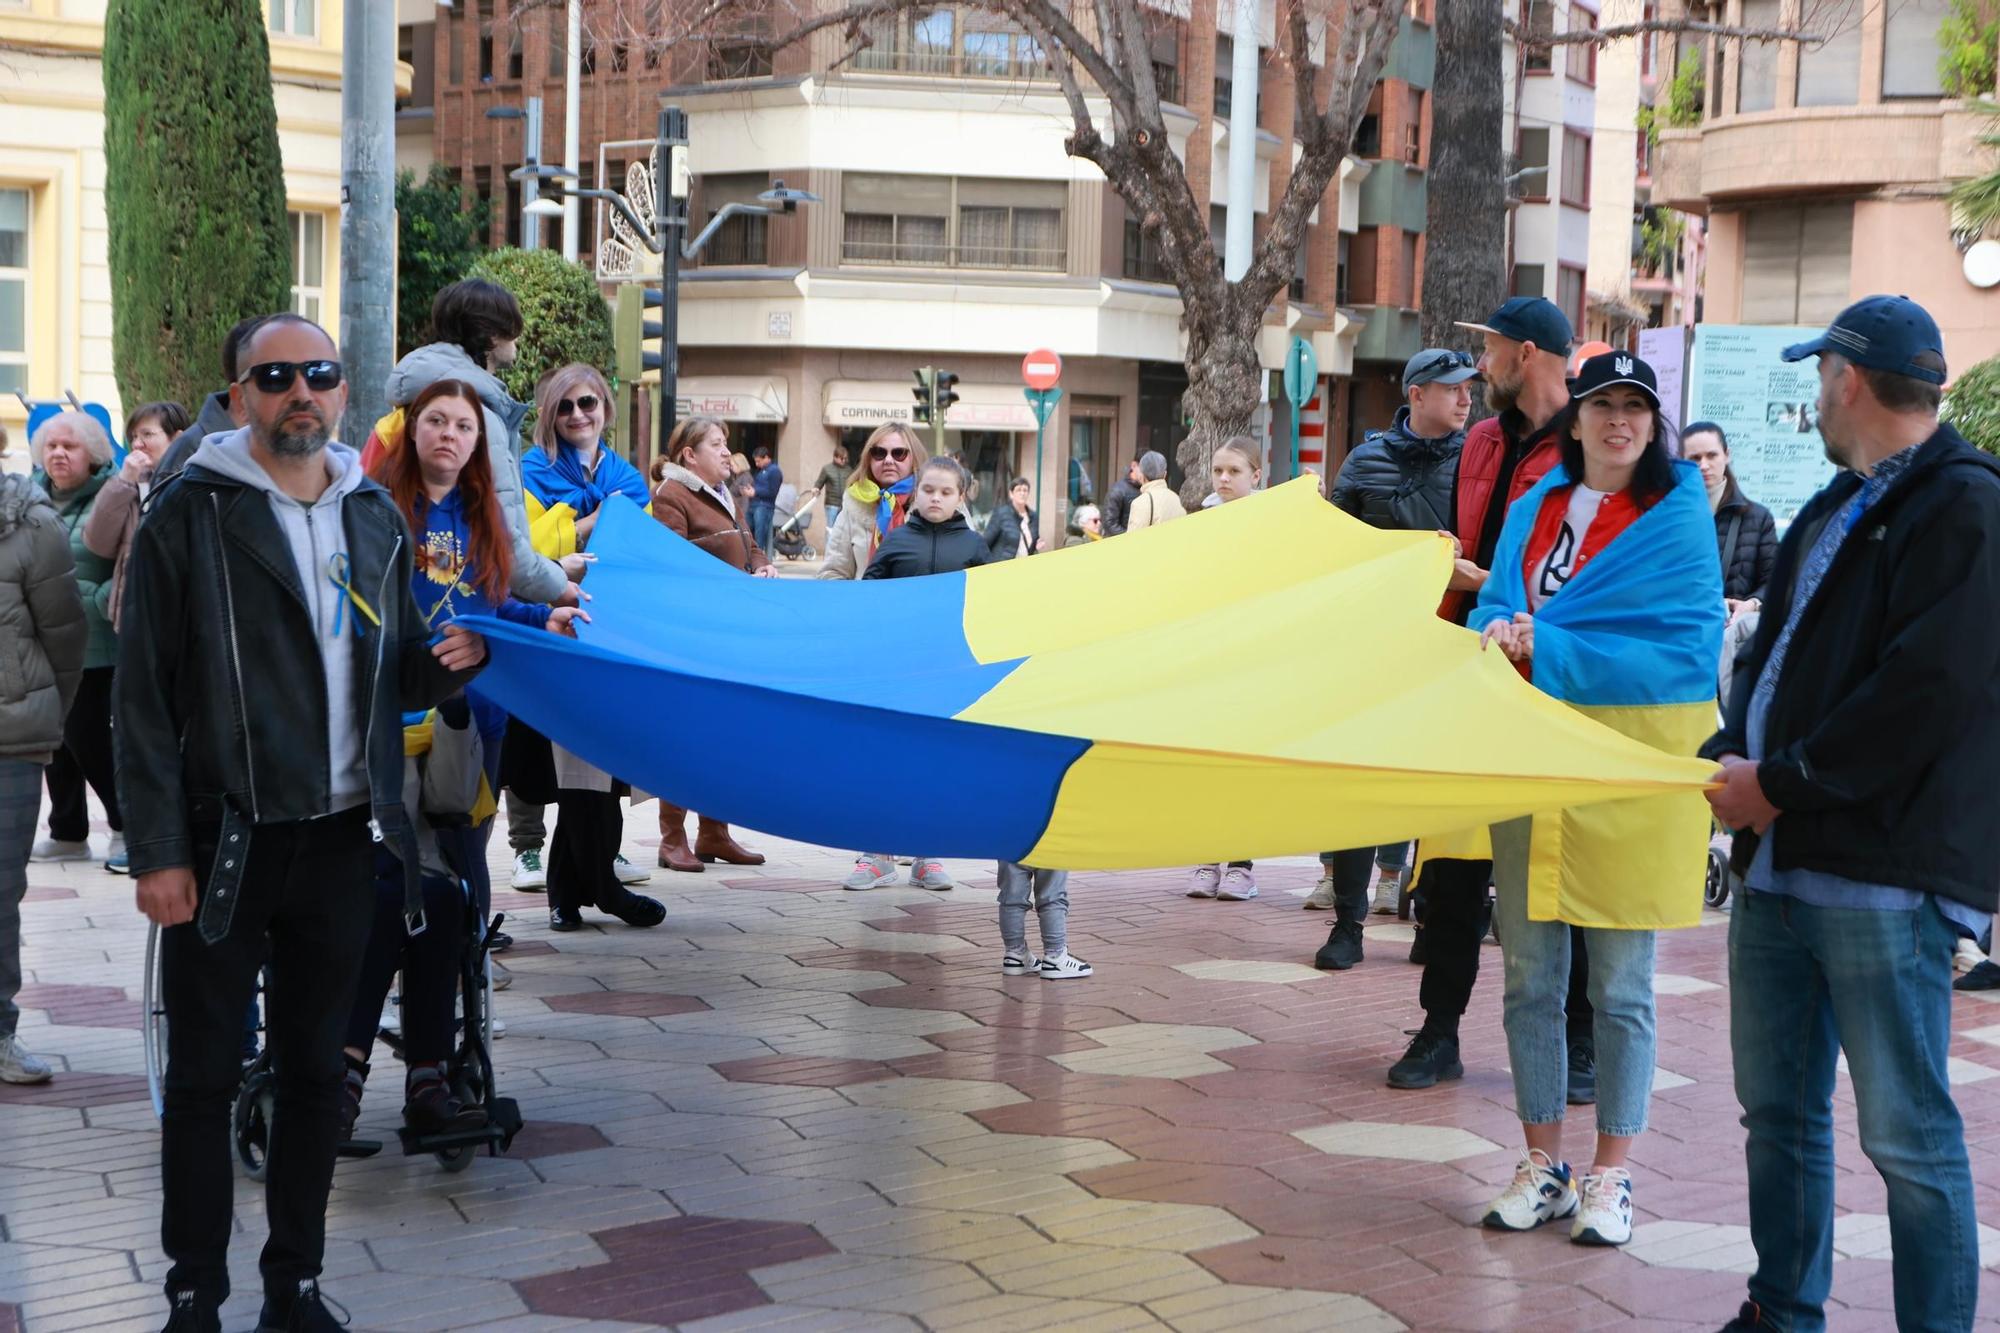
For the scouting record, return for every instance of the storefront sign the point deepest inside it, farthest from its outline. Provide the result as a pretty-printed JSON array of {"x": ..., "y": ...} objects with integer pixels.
[
  {"x": 980, "y": 406},
  {"x": 1738, "y": 379},
  {"x": 730, "y": 399}
]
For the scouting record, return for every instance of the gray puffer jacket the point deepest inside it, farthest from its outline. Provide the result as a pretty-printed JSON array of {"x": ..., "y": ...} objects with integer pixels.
[
  {"x": 42, "y": 629},
  {"x": 536, "y": 577}
]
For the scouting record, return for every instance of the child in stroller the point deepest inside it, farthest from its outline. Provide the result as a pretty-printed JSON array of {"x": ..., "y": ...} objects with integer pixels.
[{"x": 788, "y": 523}]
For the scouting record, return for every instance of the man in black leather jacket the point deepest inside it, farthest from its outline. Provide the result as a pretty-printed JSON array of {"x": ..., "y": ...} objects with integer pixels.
[
  {"x": 270, "y": 646},
  {"x": 1401, "y": 478}
]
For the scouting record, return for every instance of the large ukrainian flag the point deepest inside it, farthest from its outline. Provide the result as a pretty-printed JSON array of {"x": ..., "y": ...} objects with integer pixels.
[
  {"x": 1633, "y": 642},
  {"x": 1263, "y": 678}
]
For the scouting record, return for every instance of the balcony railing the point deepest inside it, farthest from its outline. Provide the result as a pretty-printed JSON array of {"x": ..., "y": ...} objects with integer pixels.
[
  {"x": 953, "y": 64},
  {"x": 918, "y": 254}
]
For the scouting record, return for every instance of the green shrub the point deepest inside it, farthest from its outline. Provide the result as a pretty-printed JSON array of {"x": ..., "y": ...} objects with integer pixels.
[
  {"x": 437, "y": 241},
  {"x": 1973, "y": 405},
  {"x": 194, "y": 190},
  {"x": 565, "y": 315},
  {"x": 1685, "y": 94},
  {"x": 1966, "y": 43}
]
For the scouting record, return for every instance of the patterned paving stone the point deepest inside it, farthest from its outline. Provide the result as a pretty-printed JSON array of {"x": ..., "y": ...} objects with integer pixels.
[
  {"x": 810, "y": 1071},
  {"x": 1250, "y": 969},
  {"x": 1270, "y": 1310},
  {"x": 672, "y": 1272},
  {"x": 77, "y": 1090},
  {"x": 1673, "y": 983},
  {"x": 1154, "y": 1050},
  {"x": 636, "y": 1004},
  {"x": 540, "y": 1139},
  {"x": 1411, "y": 1143}
]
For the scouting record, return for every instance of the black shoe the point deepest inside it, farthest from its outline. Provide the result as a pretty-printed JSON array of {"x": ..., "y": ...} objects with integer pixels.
[
  {"x": 1419, "y": 952},
  {"x": 1431, "y": 1059},
  {"x": 351, "y": 1086},
  {"x": 499, "y": 942},
  {"x": 1747, "y": 1320},
  {"x": 305, "y": 1312},
  {"x": 636, "y": 909},
  {"x": 1983, "y": 976},
  {"x": 1582, "y": 1073},
  {"x": 565, "y": 919},
  {"x": 193, "y": 1313},
  {"x": 1342, "y": 949},
  {"x": 432, "y": 1106}
]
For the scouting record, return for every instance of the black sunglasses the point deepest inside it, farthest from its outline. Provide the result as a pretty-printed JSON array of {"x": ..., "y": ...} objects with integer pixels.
[
  {"x": 583, "y": 403},
  {"x": 277, "y": 376},
  {"x": 896, "y": 451},
  {"x": 1444, "y": 361}
]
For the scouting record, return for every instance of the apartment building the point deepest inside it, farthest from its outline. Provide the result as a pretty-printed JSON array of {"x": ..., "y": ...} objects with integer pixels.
[
  {"x": 1822, "y": 170},
  {"x": 55, "y": 282},
  {"x": 952, "y": 228},
  {"x": 1551, "y": 119}
]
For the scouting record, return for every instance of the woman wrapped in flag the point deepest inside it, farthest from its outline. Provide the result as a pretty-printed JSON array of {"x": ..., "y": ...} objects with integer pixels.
[{"x": 1606, "y": 594}]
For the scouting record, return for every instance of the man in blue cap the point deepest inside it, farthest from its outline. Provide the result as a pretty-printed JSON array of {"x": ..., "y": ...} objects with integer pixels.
[{"x": 1860, "y": 760}]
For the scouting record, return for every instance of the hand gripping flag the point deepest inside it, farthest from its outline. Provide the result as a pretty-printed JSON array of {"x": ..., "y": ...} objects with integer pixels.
[{"x": 1263, "y": 678}]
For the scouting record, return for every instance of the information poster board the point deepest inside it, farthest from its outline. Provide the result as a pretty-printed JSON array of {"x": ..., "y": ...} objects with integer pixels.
[
  {"x": 1665, "y": 350},
  {"x": 1738, "y": 378}
]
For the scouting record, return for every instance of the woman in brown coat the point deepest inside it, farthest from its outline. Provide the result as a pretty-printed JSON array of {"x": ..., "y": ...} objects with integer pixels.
[{"x": 692, "y": 496}]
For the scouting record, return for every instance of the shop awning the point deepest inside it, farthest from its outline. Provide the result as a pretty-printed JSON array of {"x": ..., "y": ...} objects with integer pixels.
[
  {"x": 870, "y": 403},
  {"x": 733, "y": 398}
]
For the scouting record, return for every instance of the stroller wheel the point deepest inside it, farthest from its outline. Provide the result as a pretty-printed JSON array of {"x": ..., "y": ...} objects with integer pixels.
[
  {"x": 251, "y": 1122},
  {"x": 455, "y": 1160},
  {"x": 1716, "y": 891}
]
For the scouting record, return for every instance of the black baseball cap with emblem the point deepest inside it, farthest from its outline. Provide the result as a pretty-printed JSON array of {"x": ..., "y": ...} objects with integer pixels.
[{"x": 1611, "y": 369}]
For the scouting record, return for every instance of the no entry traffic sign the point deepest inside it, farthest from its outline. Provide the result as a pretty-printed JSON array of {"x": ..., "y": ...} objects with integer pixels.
[{"x": 1041, "y": 369}]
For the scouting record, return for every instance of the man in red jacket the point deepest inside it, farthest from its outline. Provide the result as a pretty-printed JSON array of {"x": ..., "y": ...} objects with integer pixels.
[{"x": 1525, "y": 363}]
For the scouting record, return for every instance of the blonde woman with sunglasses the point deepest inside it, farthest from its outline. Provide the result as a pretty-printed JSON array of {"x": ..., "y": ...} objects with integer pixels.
[{"x": 877, "y": 500}]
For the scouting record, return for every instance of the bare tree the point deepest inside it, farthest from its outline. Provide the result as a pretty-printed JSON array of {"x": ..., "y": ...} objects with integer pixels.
[{"x": 1100, "y": 52}]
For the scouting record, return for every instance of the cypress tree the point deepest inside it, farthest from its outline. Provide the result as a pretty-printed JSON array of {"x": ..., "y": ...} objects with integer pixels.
[{"x": 194, "y": 190}]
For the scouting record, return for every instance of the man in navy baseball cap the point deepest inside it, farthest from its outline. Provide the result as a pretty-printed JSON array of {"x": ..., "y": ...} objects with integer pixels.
[{"x": 1888, "y": 333}]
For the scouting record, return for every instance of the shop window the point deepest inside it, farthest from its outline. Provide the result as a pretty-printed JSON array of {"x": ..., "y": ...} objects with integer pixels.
[{"x": 14, "y": 305}]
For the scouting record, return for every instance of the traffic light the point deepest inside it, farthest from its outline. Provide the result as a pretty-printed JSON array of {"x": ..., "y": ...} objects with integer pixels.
[
  {"x": 944, "y": 395},
  {"x": 926, "y": 395},
  {"x": 632, "y": 331}
]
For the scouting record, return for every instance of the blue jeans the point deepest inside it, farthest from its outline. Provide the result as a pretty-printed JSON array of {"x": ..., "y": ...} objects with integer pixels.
[
  {"x": 1537, "y": 958},
  {"x": 762, "y": 512},
  {"x": 1805, "y": 983},
  {"x": 1050, "y": 890}
]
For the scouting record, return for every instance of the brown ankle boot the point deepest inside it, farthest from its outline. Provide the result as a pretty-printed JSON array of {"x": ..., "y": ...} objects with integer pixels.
[
  {"x": 674, "y": 852},
  {"x": 713, "y": 843}
]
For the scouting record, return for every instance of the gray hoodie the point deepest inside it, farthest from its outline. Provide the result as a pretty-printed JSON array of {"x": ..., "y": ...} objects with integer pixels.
[
  {"x": 315, "y": 534},
  {"x": 536, "y": 577}
]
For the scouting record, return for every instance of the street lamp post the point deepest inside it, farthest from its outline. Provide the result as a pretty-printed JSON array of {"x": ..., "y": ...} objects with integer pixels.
[{"x": 531, "y": 154}]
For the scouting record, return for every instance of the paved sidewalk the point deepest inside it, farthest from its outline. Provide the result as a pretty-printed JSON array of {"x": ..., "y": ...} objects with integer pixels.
[{"x": 796, "y": 1108}]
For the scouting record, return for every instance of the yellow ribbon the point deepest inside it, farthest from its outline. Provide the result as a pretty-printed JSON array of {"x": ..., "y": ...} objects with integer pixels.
[{"x": 340, "y": 573}]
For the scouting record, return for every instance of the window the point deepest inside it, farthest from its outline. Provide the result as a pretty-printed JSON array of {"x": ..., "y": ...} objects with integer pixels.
[
  {"x": 1406, "y": 277},
  {"x": 416, "y": 46},
  {"x": 1368, "y": 137},
  {"x": 742, "y": 54},
  {"x": 1576, "y": 168},
  {"x": 1167, "y": 65},
  {"x": 454, "y": 45},
  {"x": 13, "y": 291},
  {"x": 308, "y": 263},
  {"x": 1413, "y": 127},
  {"x": 295, "y": 18},
  {"x": 1757, "y": 66},
  {"x": 513, "y": 52},
  {"x": 941, "y": 222},
  {"x": 1538, "y": 21},
  {"x": 1532, "y": 164},
  {"x": 620, "y": 57},
  {"x": 558, "y": 57},
  {"x": 745, "y": 238},
  {"x": 1830, "y": 73},
  {"x": 1298, "y": 288},
  {"x": 1225, "y": 81},
  {"x": 1142, "y": 254},
  {"x": 1910, "y": 48},
  {"x": 1529, "y": 280},
  {"x": 1341, "y": 294},
  {"x": 1796, "y": 263},
  {"x": 1580, "y": 62},
  {"x": 482, "y": 190},
  {"x": 1569, "y": 293},
  {"x": 508, "y": 224},
  {"x": 482, "y": 32},
  {"x": 586, "y": 66}
]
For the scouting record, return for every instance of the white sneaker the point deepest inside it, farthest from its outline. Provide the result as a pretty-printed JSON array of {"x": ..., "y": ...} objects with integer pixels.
[
  {"x": 1604, "y": 1210},
  {"x": 1238, "y": 885},
  {"x": 1321, "y": 898},
  {"x": 928, "y": 874},
  {"x": 871, "y": 872},
  {"x": 1204, "y": 881},
  {"x": 501, "y": 977},
  {"x": 1542, "y": 1192},
  {"x": 1019, "y": 962},
  {"x": 499, "y": 1027},
  {"x": 20, "y": 1065},
  {"x": 529, "y": 876},
  {"x": 56, "y": 850},
  {"x": 1388, "y": 891},
  {"x": 392, "y": 1018},
  {"x": 1065, "y": 966},
  {"x": 1967, "y": 957},
  {"x": 627, "y": 872}
]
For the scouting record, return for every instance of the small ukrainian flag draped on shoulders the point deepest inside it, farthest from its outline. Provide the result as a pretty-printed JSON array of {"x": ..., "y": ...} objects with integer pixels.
[{"x": 1633, "y": 640}]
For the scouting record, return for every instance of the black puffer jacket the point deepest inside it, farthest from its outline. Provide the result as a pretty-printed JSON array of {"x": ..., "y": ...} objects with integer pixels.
[
  {"x": 1400, "y": 481},
  {"x": 919, "y": 547},
  {"x": 1117, "y": 506},
  {"x": 1746, "y": 537},
  {"x": 1003, "y": 533}
]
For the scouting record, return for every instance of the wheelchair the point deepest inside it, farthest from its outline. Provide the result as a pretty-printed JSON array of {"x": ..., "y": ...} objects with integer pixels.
[{"x": 256, "y": 1098}]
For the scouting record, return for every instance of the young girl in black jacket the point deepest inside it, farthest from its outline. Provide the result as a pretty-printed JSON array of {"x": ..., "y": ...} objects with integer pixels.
[{"x": 936, "y": 539}]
